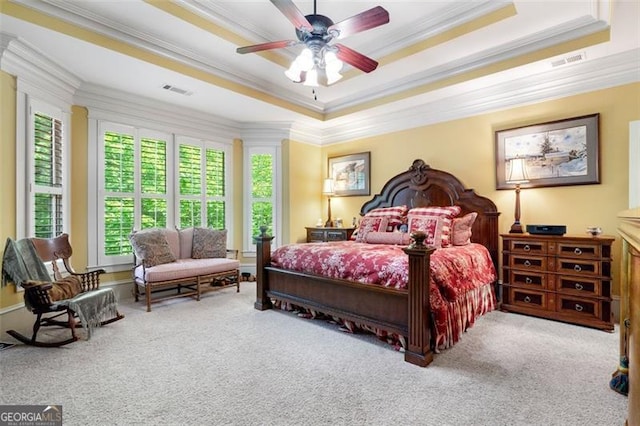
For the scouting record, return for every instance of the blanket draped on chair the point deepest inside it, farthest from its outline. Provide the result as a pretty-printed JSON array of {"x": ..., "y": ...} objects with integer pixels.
[{"x": 21, "y": 264}]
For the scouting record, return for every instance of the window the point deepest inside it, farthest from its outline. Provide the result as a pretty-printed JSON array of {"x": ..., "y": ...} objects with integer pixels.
[
  {"x": 202, "y": 184},
  {"x": 138, "y": 170},
  {"x": 261, "y": 194},
  {"x": 134, "y": 190},
  {"x": 46, "y": 171}
]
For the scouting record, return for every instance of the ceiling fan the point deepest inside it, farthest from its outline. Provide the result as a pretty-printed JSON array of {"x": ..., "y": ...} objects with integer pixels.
[{"x": 316, "y": 32}]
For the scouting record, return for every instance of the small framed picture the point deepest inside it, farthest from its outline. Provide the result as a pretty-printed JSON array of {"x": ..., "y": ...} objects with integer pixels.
[{"x": 351, "y": 174}]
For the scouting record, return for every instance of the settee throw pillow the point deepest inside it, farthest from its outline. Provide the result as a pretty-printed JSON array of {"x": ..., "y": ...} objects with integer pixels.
[
  {"x": 151, "y": 247},
  {"x": 208, "y": 243}
]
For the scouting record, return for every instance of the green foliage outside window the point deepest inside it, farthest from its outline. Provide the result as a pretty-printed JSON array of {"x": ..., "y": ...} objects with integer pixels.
[
  {"x": 118, "y": 224},
  {"x": 47, "y": 172},
  {"x": 262, "y": 192},
  {"x": 118, "y": 162}
]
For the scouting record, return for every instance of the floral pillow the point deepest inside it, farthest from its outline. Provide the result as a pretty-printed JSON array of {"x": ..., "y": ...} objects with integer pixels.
[
  {"x": 461, "y": 232},
  {"x": 395, "y": 215},
  {"x": 370, "y": 224},
  {"x": 209, "y": 243},
  {"x": 151, "y": 247},
  {"x": 436, "y": 222}
]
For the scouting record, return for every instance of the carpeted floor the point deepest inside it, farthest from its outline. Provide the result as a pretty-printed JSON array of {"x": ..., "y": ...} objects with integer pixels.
[{"x": 221, "y": 362}]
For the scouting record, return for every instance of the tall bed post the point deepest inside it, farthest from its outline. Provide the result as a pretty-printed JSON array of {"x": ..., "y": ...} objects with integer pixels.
[
  {"x": 263, "y": 259},
  {"x": 418, "y": 349}
]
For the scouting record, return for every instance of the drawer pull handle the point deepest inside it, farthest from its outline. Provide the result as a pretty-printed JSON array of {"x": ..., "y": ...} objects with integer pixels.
[
  {"x": 527, "y": 263},
  {"x": 577, "y": 251},
  {"x": 526, "y": 247},
  {"x": 528, "y": 280},
  {"x": 579, "y": 308},
  {"x": 527, "y": 299},
  {"x": 577, "y": 268},
  {"x": 579, "y": 286}
]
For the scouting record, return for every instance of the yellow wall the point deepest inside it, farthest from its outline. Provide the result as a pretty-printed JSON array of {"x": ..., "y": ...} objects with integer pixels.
[
  {"x": 466, "y": 148},
  {"x": 8, "y": 295},
  {"x": 303, "y": 187}
]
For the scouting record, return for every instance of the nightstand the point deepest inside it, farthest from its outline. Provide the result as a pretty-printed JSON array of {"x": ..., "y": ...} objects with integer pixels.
[
  {"x": 565, "y": 278},
  {"x": 320, "y": 234}
]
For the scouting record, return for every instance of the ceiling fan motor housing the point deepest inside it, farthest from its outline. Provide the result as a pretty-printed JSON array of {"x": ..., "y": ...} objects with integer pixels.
[{"x": 320, "y": 24}]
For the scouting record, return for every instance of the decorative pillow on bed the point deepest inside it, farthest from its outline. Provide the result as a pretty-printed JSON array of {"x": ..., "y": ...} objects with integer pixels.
[
  {"x": 395, "y": 215},
  {"x": 395, "y": 238},
  {"x": 151, "y": 247},
  {"x": 209, "y": 243},
  {"x": 461, "y": 229},
  {"x": 436, "y": 222},
  {"x": 370, "y": 224}
]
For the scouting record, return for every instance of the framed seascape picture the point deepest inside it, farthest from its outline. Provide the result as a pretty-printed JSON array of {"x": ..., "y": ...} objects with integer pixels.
[
  {"x": 351, "y": 174},
  {"x": 564, "y": 152}
]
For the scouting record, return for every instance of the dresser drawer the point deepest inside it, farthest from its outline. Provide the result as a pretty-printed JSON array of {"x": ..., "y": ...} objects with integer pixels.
[
  {"x": 579, "y": 286},
  {"x": 578, "y": 267},
  {"x": 336, "y": 235},
  {"x": 579, "y": 250},
  {"x": 529, "y": 299},
  {"x": 529, "y": 263},
  {"x": 527, "y": 247},
  {"x": 577, "y": 306},
  {"x": 533, "y": 280},
  {"x": 314, "y": 236}
]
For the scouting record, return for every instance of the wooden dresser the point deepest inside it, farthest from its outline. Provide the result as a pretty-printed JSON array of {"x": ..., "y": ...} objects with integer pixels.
[
  {"x": 629, "y": 229},
  {"x": 565, "y": 278},
  {"x": 320, "y": 234}
]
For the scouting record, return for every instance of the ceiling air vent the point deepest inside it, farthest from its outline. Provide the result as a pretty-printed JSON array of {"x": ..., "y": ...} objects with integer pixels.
[
  {"x": 175, "y": 89},
  {"x": 569, "y": 59}
]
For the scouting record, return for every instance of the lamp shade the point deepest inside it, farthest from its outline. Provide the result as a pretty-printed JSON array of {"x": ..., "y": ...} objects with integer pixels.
[
  {"x": 327, "y": 187},
  {"x": 518, "y": 171}
]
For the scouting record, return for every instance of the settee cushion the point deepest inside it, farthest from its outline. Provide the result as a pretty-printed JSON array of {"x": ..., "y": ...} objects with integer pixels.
[
  {"x": 185, "y": 268},
  {"x": 209, "y": 243},
  {"x": 186, "y": 242},
  {"x": 152, "y": 247}
]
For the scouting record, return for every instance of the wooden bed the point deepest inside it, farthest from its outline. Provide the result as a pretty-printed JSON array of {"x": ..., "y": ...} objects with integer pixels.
[{"x": 403, "y": 312}]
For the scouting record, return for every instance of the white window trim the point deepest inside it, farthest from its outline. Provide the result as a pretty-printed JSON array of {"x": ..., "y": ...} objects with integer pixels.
[{"x": 28, "y": 101}]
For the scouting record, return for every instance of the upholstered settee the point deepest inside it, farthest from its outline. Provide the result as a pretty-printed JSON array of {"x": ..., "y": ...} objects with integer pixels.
[{"x": 170, "y": 263}]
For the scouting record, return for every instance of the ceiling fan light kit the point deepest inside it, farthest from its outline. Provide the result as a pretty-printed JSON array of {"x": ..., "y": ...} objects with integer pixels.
[{"x": 319, "y": 59}]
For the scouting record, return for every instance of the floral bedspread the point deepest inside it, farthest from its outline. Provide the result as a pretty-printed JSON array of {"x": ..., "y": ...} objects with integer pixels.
[{"x": 460, "y": 287}]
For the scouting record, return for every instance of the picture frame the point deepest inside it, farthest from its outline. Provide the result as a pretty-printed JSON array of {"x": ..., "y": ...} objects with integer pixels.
[
  {"x": 351, "y": 174},
  {"x": 556, "y": 153}
]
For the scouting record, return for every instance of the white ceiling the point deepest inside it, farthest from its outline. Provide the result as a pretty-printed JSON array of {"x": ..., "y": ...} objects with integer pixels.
[{"x": 438, "y": 59}]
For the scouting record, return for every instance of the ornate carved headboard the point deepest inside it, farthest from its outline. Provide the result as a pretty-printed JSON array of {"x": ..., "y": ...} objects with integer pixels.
[{"x": 422, "y": 186}]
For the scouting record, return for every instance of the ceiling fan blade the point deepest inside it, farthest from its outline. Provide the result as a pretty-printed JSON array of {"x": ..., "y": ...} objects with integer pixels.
[
  {"x": 266, "y": 46},
  {"x": 355, "y": 59},
  {"x": 293, "y": 14},
  {"x": 361, "y": 22}
]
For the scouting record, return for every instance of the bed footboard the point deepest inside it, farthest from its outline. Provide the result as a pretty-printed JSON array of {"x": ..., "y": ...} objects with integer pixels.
[{"x": 404, "y": 312}]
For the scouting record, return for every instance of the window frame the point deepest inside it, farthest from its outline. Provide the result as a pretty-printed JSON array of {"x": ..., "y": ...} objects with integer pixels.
[
  {"x": 25, "y": 161},
  {"x": 261, "y": 147}
]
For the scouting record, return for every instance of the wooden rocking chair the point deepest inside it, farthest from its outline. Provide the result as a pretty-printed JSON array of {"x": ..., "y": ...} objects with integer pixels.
[{"x": 38, "y": 294}]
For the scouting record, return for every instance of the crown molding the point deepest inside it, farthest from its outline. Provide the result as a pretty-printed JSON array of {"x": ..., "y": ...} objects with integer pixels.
[
  {"x": 108, "y": 104},
  {"x": 577, "y": 28},
  {"x": 566, "y": 81},
  {"x": 21, "y": 59}
]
